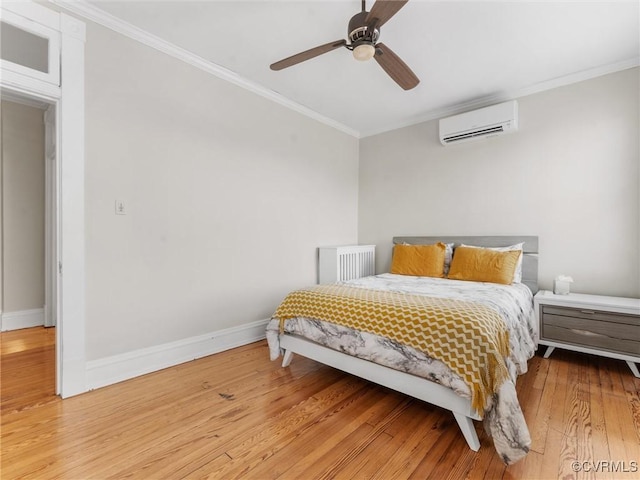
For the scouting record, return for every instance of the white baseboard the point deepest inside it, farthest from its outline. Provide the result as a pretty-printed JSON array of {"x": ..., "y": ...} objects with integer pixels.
[
  {"x": 110, "y": 370},
  {"x": 22, "y": 319}
]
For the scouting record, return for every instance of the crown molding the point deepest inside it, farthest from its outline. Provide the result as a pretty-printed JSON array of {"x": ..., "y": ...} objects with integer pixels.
[
  {"x": 95, "y": 14},
  {"x": 510, "y": 95},
  {"x": 90, "y": 12}
]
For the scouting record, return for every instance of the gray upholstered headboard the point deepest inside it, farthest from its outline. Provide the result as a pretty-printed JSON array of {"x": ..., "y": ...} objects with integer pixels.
[{"x": 530, "y": 250}]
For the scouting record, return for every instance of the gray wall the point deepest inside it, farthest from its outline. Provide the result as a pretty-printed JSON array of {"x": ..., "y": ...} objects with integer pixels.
[
  {"x": 22, "y": 207},
  {"x": 228, "y": 194},
  {"x": 570, "y": 175}
]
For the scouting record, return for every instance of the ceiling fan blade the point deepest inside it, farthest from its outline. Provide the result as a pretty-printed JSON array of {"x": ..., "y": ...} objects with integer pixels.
[
  {"x": 383, "y": 10},
  {"x": 395, "y": 67},
  {"x": 307, "y": 54}
]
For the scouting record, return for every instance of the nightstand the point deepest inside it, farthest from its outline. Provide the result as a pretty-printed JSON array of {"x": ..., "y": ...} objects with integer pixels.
[{"x": 596, "y": 324}]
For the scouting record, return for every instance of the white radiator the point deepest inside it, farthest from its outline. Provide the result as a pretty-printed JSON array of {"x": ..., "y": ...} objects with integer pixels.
[{"x": 346, "y": 262}]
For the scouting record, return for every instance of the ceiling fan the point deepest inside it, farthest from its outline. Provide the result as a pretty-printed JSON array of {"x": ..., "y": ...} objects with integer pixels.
[{"x": 363, "y": 32}]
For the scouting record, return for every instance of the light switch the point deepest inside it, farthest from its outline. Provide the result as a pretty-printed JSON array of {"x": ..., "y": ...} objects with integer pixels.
[{"x": 121, "y": 208}]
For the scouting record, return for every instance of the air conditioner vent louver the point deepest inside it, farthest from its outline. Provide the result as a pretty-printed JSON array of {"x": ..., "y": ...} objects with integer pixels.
[
  {"x": 475, "y": 133},
  {"x": 485, "y": 122}
]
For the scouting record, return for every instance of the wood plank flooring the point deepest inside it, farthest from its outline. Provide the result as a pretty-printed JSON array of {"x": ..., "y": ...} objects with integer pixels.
[
  {"x": 238, "y": 415},
  {"x": 28, "y": 361}
]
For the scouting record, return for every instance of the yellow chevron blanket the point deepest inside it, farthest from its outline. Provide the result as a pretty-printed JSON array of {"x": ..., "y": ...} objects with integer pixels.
[{"x": 468, "y": 337}]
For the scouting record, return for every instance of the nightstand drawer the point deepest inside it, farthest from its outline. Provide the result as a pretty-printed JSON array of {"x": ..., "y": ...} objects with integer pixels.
[
  {"x": 603, "y": 330},
  {"x": 592, "y": 314}
]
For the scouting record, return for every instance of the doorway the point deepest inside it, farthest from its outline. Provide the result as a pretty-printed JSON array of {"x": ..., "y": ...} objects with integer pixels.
[
  {"x": 27, "y": 243},
  {"x": 59, "y": 82},
  {"x": 28, "y": 215}
]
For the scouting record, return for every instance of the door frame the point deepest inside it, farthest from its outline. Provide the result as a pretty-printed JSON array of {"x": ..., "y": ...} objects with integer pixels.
[
  {"x": 50, "y": 218},
  {"x": 68, "y": 99}
]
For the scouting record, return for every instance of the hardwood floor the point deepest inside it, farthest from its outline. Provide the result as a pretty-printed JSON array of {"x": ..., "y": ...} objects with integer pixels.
[
  {"x": 238, "y": 415},
  {"x": 28, "y": 368}
]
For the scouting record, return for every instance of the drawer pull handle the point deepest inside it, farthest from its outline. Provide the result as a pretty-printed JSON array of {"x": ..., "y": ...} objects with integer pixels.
[
  {"x": 588, "y": 312},
  {"x": 587, "y": 333}
]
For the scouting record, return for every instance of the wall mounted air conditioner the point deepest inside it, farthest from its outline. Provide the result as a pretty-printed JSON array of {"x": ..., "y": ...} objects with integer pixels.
[{"x": 481, "y": 123}]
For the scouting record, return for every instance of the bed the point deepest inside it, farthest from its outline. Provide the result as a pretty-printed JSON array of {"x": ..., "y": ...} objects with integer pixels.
[{"x": 390, "y": 362}]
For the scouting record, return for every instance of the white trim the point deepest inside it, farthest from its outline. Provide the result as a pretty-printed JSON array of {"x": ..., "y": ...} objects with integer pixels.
[
  {"x": 22, "y": 99},
  {"x": 28, "y": 85},
  {"x": 22, "y": 319},
  {"x": 117, "y": 368},
  {"x": 71, "y": 225},
  {"x": 107, "y": 20}
]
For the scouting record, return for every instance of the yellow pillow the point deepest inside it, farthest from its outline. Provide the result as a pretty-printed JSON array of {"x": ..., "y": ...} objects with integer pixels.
[
  {"x": 419, "y": 260},
  {"x": 484, "y": 265}
]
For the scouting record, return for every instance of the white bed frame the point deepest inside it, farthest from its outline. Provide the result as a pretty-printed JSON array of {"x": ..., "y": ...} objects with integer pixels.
[{"x": 406, "y": 383}]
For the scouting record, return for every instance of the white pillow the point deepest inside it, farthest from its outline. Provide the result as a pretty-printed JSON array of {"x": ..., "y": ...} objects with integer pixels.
[
  {"x": 517, "y": 275},
  {"x": 448, "y": 255}
]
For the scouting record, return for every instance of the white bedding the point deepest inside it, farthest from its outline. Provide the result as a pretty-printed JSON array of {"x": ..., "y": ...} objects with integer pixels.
[{"x": 503, "y": 419}]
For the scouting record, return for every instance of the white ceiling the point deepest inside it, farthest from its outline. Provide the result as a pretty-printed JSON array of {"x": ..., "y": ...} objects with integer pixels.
[{"x": 466, "y": 54}]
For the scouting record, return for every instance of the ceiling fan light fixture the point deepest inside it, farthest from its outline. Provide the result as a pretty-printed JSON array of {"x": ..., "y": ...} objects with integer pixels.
[{"x": 364, "y": 52}]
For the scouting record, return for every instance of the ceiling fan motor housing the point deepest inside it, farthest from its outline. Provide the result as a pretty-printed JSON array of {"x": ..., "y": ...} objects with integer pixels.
[{"x": 359, "y": 32}]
